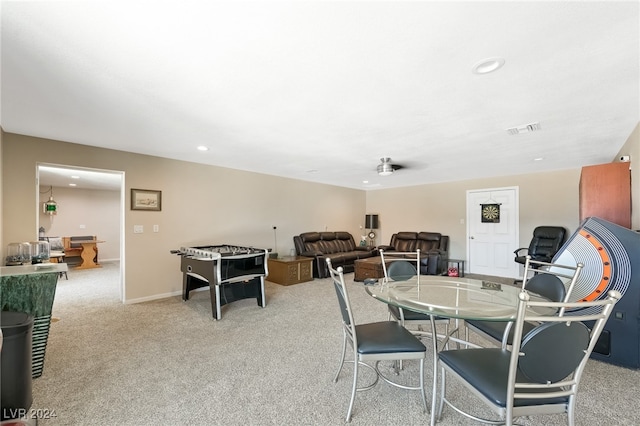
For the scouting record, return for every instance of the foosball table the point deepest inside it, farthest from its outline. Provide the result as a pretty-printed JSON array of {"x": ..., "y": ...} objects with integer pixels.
[{"x": 231, "y": 272}]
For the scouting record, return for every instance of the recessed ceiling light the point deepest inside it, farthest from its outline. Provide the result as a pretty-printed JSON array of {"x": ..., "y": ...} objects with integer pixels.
[
  {"x": 203, "y": 148},
  {"x": 488, "y": 65},
  {"x": 365, "y": 181},
  {"x": 72, "y": 184},
  {"x": 75, "y": 177},
  {"x": 312, "y": 171},
  {"x": 538, "y": 159}
]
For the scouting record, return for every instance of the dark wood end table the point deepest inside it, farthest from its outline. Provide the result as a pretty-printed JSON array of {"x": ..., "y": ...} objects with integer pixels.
[{"x": 370, "y": 267}]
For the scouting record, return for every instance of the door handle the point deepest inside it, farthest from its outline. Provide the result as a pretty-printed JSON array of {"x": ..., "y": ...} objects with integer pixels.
[{"x": 472, "y": 238}]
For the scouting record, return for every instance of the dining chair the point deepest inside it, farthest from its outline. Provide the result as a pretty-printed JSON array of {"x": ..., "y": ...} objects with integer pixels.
[
  {"x": 542, "y": 371},
  {"x": 402, "y": 266},
  {"x": 374, "y": 342},
  {"x": 554, "y": 282}
]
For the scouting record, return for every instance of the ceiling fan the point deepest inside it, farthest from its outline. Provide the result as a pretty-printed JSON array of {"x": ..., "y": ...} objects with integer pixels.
[{"x": 385, "y": 168}]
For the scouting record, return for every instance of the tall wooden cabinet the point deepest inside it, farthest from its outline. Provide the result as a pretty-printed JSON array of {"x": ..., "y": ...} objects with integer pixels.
[{"x": 605, "y": 192}]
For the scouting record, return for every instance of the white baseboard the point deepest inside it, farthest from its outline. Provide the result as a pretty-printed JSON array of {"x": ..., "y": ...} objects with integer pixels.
[{"x": 160, "y": 296}]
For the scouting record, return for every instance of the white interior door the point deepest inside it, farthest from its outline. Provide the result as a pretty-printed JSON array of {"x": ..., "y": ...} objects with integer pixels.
[{"x": 491, "y": 243}]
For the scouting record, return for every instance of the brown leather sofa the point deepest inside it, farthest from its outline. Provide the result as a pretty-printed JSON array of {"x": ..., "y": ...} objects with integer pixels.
[
  {"x": 434, "y": 249},
  {"x": 340, "y": 247}
]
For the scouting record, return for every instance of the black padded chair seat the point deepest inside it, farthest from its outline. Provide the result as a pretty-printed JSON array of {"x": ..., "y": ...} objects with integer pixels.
[
  {"x": 487, "y": 371},
  {"x": 386, "y": 337}
]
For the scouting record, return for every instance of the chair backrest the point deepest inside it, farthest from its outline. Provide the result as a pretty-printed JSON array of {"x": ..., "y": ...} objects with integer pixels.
[
  {"x": 401, "y": 270},
  {"x": 546, "y": 242},
  {"x": 337, "y": 277},
  {"x": 552, "y": 351},
  {"x": 402, "y": 265},
  {"x": 548, "y": 286},
  {"x": 550, "y": 359},
  {"x": 554, "y": 281}
]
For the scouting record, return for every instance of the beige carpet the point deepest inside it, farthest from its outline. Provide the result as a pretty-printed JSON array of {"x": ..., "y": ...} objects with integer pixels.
[{"x": 169, "y": 363}]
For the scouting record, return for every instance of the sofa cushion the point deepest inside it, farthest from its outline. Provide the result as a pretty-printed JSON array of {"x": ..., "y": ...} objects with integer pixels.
[
  {"x": 350, "y": 256},
  {"x": 428, "y": 241},
  {"x": 433, "y": 246},
  {"x": 406, "y": 235},
  {"x": 310, "y": 236},
  {"x": 337, "y": 259},
  {"x": 55, "y": 243}
]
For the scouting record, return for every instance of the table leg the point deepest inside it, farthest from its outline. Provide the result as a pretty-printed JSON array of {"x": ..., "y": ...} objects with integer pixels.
[
  {"x": 87, "y": 255},
  {"x": 434, "y": 340}
]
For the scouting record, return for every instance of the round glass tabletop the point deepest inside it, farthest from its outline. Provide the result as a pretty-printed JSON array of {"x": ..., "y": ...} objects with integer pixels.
[{"x": 452, "y": 297}]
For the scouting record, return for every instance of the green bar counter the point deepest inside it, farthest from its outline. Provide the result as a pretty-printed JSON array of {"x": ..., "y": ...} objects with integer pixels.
[{"x": 31, "y": 289}]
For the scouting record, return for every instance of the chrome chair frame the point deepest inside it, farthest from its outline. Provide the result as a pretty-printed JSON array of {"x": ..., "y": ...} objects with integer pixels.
[
  {"x": 374, "y": 342},
  {"x": 541, "y": 373},
  {"x": 503, "y": 332},
  {"x": 398, "y": 314}
]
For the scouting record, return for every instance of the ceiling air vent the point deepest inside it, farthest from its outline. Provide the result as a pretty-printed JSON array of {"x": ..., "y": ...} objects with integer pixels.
[{"x": 524, "y": 129}]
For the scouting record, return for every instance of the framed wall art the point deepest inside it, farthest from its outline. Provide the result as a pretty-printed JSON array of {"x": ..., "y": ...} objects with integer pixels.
[{"x": 146, "y": 199}]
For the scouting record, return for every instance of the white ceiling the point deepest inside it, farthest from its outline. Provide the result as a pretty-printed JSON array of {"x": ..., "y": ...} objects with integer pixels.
[
  {"x": 320, "y": 91},
  {"x": 78, "y": 177}
]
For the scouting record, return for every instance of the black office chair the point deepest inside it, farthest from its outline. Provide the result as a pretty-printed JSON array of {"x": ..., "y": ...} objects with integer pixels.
[
  {"x": 546, "y": 242},
  {"x": 402, "y": 266},
  {"x": 379, "y": 341},
  {"x": 541, "y": 374},
  {"x": 554, "y": 282}
]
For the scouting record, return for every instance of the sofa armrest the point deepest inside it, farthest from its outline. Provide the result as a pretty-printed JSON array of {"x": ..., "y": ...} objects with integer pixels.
[
  {"x": 436, "y": 251},
  {"x": 386, "y": 248}
]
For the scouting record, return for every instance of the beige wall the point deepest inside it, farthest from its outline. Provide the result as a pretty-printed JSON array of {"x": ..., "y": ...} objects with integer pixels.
[
  {"x": 632, "y": 149},
  {"x": 545, "y": 198},
  {"x": 98, "y": 211},
  {"x": 200, "y": 205},
  {"x": 2, "y": 244},
  {"x": 206, "y": 204}
]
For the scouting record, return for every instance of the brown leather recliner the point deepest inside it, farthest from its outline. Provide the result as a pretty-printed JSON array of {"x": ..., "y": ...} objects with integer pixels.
[
  {"x": 434, "y": 249},
  {"x": 340, "y": 247}
]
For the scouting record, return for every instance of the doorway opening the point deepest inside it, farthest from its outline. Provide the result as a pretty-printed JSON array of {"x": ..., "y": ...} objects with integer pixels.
[{"x": 89, "y": 202}]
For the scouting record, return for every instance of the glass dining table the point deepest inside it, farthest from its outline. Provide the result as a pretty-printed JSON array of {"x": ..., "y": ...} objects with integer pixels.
[
  {"x": 451, "y": 297},
  {"x": 458, "y": 298}
]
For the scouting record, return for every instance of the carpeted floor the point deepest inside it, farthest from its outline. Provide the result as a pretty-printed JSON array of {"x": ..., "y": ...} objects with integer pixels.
[{"x": 168, "y": 362}]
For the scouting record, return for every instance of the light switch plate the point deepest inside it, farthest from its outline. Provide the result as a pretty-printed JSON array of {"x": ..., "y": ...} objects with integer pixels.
[{"x": 138, "y": 229}]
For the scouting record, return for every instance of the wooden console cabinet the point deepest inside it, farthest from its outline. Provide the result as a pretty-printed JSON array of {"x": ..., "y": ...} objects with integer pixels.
[
  {"x": 605, "y": 192},
  {"x": 290, "y": 270}
]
